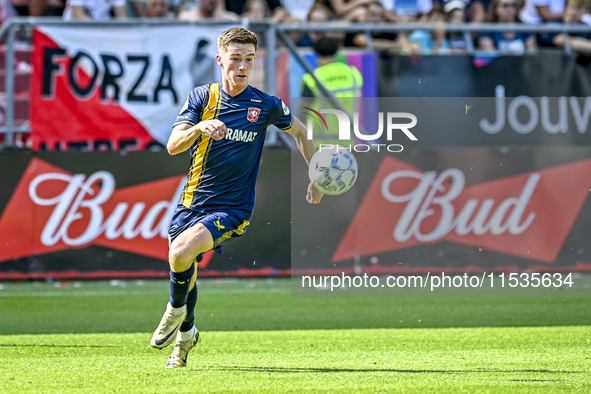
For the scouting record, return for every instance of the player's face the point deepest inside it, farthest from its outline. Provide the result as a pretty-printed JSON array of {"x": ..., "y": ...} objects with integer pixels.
[{"x": 236, "y": 63}]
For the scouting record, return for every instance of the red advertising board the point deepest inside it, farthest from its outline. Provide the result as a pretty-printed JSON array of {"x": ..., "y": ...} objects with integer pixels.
[
  {"x": 106, "y": 214},
  {"x": 452, "y": 209}
]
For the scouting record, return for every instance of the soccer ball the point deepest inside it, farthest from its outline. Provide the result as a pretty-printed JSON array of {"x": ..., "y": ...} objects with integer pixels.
[{"x": 333, "y": 171}]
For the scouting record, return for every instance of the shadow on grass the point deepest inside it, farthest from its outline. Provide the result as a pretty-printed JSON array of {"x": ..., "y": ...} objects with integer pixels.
[
  {"x": 38, "y": 345},
  {"x": 354, "y": 370}
]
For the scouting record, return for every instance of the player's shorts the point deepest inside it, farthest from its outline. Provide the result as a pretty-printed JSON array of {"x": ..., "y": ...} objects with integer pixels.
[{"x": 224, "y": 226}]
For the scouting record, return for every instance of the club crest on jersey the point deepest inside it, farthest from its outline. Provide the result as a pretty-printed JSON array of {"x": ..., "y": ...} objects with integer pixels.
[{"x": 253, "y": 114}]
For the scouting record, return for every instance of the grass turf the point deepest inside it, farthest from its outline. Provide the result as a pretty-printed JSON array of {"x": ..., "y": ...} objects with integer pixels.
[
  {"x": 541, "y": 359},
  {"x": 309, "y": 345}
]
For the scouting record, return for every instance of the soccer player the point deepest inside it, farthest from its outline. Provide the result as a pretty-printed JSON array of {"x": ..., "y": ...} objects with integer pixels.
[{"x": 223, "y": 125}]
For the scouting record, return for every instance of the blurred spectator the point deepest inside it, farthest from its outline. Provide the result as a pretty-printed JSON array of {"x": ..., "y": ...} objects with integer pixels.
[
  {"x": 209, "y": 10},
  {"x": 538, "y": 11},
  {"x": 7, "y": 10},
  {"x": 475, "y": 10},
  {"x": 338, "y": 78},
  {"x": 157, "y": 9},
  {"x": 298, "y": 8},
  {"x": 141, "y": 8},
  {"x": 256, "y": 10},
  {"x": 20, "y": 6},
  {"x": 433, "y": 42},
  {"x": 408, "y": 10},
  {"x": 321, "y": 14},
  {"x": 274, "y": 8},
  {"x": 299, "y": 37},
  {"x": 342, "y": 81},
  {"x": 347, "y": 10},
  {"x": 455, "y": 12},
  {"x": 506, "y": 11},
  {"x": 579, "y": 42},
  {"x": 385, "y": 42},
  {"x": 99, "y": 10}
]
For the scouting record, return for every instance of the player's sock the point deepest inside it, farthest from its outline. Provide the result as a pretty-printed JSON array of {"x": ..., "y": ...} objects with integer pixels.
[
  {"x": 189, "y": 322},
  {"x": 185, "y": 336},
  {"x": 179, "y": 286}
]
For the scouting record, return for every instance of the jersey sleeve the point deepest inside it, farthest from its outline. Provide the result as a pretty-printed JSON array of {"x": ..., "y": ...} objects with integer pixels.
[
  {"x": 191, "y": 110},
  {"x": 281, "y": 115}
]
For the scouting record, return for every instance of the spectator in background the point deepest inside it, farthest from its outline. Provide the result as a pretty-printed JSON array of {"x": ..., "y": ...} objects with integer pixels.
[
  {"x": 99, "y": 10},
  {"x": 455, "y": 13},
  {"x": 579, "y": 42},
  {"x": 256, "y": 10},
  {"x": 384, "y": 42},
  {"x": 344, "y": 82},
  {"x": 36, "y": 7},
  {"x": 506, "y": 11},
  {"x": 347, "y": 10},
  {"x": 274, "y": 7},
  {"x": 149, "y": 8},
  {"x": 298, "y": 8},
  {"x": 475, "y": 10},
  {"x": 539, "y": 11},
  {"x": 157, "y": 9},
  {"x": 408, "y": 10},
  {"x": 321, "y": 14},
  {"x": 137, "y": 8},
  {"x": 299, "y": 37},
  {"x": 209, "y": 10},
  {"x": 432, "y": 42}
]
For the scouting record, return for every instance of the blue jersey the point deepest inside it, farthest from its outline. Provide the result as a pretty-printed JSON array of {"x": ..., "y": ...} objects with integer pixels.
[{"x": 223, "y": 173}]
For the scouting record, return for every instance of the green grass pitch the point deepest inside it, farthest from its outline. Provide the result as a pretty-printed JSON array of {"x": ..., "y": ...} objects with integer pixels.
[{"x": 93, "y": 337}]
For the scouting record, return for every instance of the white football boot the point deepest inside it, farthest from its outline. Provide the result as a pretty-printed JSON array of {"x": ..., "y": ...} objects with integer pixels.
[
  {"x": 169, "y": 326},
  {"x": 178, "y": 358}
]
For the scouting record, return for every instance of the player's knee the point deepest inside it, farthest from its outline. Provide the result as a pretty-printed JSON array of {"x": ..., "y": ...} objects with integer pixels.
[{"x": 179, "y": 259}]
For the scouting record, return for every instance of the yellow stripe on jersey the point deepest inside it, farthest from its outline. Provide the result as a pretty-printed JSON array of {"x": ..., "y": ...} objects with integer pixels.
[
  {"x": 288, "y": 128},
  {"x": 199, "y": 159},
  {"x": 228, "y": 234}
]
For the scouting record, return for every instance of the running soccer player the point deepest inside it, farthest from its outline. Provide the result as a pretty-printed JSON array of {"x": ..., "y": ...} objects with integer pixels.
[{"x": 223, "y": 125}]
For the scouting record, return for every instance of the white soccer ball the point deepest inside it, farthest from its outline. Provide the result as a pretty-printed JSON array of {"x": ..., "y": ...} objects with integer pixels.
[{"x": 333, "y": 171}]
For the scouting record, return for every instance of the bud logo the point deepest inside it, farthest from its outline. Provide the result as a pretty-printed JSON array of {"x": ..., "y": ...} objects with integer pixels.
[
  {"x": 53, "y": 210},
  {"x": 527, "y": 215}
]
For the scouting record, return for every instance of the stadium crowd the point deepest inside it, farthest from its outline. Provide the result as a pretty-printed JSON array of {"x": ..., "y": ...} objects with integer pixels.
[{"x": 437, "y": 12}]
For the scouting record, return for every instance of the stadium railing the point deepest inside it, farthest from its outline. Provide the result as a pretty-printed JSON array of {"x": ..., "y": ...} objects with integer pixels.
[{"x": 272, "y": 34}]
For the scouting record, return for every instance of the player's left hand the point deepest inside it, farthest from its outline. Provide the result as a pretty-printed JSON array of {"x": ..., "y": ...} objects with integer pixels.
[{"x": 314, "y": 195}]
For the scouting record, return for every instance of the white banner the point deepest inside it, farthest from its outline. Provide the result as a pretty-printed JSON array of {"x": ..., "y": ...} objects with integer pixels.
[{"x": 147, "y": 71}]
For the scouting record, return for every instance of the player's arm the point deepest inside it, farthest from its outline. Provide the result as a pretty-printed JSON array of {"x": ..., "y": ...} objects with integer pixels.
[
  {"x": 184, "y": 134},
  {"x": 300, "y": 133},
  {"x": 307, "y": 149}
]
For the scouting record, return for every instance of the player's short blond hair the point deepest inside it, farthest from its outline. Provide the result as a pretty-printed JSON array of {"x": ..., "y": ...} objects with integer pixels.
[{"x": 238, "y": 35}]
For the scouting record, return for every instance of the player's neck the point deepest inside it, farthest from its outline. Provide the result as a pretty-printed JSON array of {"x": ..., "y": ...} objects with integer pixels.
[{"x": 233, "y": 91}]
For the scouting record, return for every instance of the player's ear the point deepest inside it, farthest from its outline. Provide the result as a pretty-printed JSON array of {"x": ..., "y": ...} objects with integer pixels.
[{"x": 219, "y": 60}]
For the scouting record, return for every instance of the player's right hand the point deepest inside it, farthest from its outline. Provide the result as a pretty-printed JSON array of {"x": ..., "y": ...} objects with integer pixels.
[
  {"x": 214, "y": 128},
  {"x": 314, "y": 195}
]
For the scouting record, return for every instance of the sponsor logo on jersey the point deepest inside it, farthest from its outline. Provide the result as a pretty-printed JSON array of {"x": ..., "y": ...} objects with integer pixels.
[
  {"x": 241, "y": 135},
  {"x": 253, "y": 114},
  {"x": 528, "y": 215}
]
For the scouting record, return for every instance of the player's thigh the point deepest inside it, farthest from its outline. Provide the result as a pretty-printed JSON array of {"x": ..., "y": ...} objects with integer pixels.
[{"x": 188, "y": 244}]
